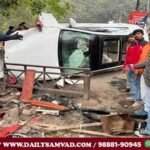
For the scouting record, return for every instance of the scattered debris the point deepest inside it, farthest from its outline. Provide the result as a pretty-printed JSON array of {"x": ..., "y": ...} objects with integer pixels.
[
  {"x": 24, "y": 130},
  {"x": 137, "y": 133},
  {"x": 28, "y": 111},
  {"x": 98, "y": 133},
  {"x": 11, "y": 116},
  {"x": 18, "y": 135},
  {"x": 93, "y": 116},
  {"x": 54, "y": 128},
  {"x": 50, "y": 112},
  {"x": 5, "y": 99},
  {"x": 6, "y": 131},
  {"x": 92, "y": 109},
  {"x": 117, "y": 124},
  {"x": 4, "y": 92},
  {"x": 45, "y": 104},
  {"x": 43, "y": 114}
]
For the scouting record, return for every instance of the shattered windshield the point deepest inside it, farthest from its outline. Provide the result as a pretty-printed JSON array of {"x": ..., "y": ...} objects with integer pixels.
[{"x": 75, "y": 50}]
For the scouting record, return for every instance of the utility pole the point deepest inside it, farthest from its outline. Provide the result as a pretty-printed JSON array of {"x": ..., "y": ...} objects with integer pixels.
[
  {"x": 148, "y": 4},
  {"x": 137, "y": 5},
  {"x": 148, "y": 19}
]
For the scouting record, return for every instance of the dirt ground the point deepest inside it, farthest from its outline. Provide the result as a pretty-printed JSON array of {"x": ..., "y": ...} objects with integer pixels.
[{"x": 106, "y": 95}]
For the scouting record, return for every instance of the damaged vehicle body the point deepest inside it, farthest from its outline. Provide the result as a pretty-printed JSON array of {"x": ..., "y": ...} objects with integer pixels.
[{"x": 99, "y": 47}]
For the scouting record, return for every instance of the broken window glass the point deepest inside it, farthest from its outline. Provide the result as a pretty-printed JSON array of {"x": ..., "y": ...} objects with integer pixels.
[
  {"x": 75, "y": 50},
  {"x": 110, "y": 51}
]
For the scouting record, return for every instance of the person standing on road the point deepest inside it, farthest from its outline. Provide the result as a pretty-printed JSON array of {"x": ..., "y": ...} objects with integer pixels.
[
  {"x": 138, "y": 34},
  {"x": 145, "y": 92},
  {"x": 132, "y": 57}
]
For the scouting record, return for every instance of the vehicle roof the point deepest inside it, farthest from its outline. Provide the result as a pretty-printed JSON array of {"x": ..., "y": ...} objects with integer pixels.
[
  {"x": 114, "y": 29},
  {"x": 102, "y": 29}
]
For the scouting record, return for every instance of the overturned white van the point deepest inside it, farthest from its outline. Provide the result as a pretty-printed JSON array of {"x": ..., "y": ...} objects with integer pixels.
[{"x": 76, "y": 45}]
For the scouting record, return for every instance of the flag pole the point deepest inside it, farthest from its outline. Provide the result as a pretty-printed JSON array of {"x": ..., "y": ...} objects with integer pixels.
[
  {"x": 148, "y": 3},
  {"x": 137, "y": 5}
]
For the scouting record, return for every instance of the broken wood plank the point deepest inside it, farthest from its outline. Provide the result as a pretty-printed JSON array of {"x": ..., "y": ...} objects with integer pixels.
[
  {"x": 76, "y": 126},
  {"x": 117, "y": 123},
  {"x": 106, "y": 124},
  {"x": 94, "y": 109},
  {"x": 100, "y": 133},
  {"x": 28, "y": 84},
  {"x": 93, "y": 116},
  {"x": 45, "y": 104},
  {"x": 54, "y": 128},
  {"x": 49, "y": 112},
  {"x": 69, "y": 93},
  {"x": 92, "y": 133},
  {"x": 129, "y": 125}
]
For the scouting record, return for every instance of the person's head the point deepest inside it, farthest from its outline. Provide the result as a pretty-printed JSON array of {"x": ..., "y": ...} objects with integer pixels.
[
  {"x": 82, "y": 44},
  {"x": 23, "y": 26},
  {"x": 11, "y": 28},
  {"x": 138, "y": 33},
  {"x": 131, "y": 38}
]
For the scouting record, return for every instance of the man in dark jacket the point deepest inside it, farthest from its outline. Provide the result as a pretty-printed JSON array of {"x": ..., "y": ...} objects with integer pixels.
[
  {"x": 4, "y": 38},
  {"x": 16, "y": 36}
]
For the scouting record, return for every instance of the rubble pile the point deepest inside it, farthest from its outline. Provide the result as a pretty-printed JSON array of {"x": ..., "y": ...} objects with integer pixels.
[
  {"x": 29, "y": 114},
  {"x": 21, "y": 119}
]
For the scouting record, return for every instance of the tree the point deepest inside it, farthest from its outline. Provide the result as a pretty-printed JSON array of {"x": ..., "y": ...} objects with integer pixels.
[
  {"x": 103, "y": 11},
  {"x": 15, "y": 11}
]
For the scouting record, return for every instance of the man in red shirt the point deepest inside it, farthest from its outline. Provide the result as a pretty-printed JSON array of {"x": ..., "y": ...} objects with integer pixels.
[
  {"x": 132, "y": 57},
  {"x": 134, "y": 49}
]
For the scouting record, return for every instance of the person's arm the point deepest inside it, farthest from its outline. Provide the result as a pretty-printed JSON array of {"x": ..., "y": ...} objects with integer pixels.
[
  {"x": 4, "y": 37},
  {"x": 125, "y": 61},
  {"x": 141, "y": 65}
]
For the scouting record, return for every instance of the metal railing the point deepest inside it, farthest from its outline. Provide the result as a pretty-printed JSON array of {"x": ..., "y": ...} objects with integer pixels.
[{"x": 45, "y": 80}]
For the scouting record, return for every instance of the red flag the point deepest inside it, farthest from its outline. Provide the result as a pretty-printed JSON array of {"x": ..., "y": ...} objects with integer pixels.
[{"x": 138, "y": 18}]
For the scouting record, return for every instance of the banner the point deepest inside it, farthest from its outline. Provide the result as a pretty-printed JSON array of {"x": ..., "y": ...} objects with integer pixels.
[
  {"x": 138, "y": 18},
  {"x": 74, "y": 143}
]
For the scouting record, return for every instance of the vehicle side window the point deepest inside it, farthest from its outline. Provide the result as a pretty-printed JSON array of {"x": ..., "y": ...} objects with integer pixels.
[
  {"x": 75, "y": 50},
  {"x": 110, "y": 51}
]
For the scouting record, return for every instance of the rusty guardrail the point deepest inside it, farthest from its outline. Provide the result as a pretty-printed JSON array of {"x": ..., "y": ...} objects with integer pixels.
[{"x": 44, "y": 78}]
